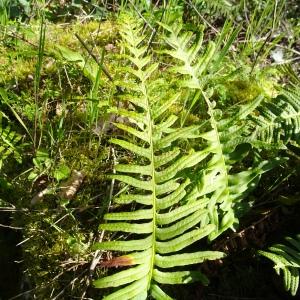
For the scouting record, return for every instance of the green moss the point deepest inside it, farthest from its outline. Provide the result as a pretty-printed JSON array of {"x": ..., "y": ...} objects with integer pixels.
[
  {"x": 94, "y": 33},
  {"x": 18, "y": 62},
  {"x": 243, "y": 90},
  {"x": 51, "y": 247}
]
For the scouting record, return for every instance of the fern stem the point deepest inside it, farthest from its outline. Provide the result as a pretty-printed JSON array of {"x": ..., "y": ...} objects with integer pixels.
[
  {"x": 221, "y": 157},
  {"x": 150, "y": 131}
]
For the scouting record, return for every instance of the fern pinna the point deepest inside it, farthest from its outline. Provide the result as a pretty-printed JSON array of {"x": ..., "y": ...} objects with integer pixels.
[{"x": 182, "y": 188}]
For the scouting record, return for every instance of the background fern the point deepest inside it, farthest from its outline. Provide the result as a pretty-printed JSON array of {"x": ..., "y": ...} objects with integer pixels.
[
  {"x": 286, "y": 258},
  {"x": 278, "y": 120},
  {"x": 216, "y": 181},
  {"x": 221, "y": 7}
]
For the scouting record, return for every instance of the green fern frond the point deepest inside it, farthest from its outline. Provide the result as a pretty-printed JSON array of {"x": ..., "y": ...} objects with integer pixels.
[
  {"x": 164, "y": 225},
  {"x": 216, "y": 182},
  {"x": 187, "y": 49},
  {"x": 287, "y": 260},
  {"x": 181, "y": 194},
  {"x": 287, "y": 70}
]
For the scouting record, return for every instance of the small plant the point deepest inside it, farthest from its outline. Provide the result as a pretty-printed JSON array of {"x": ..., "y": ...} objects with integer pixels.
[{"x": 9, "y": 142}]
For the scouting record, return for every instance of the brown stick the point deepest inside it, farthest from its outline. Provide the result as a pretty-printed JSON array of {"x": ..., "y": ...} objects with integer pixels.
[{"x": 94, "y": 57}]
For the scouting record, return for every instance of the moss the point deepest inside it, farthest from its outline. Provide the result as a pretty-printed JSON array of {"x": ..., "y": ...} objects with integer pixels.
[
  {"x": 17, "y": 69},
  {"x": 18, "y": 61},
  {"x": 59, "y": 235},
  {"x": 94, "y": 33},
  {"x": 23, "y": 69},
  {"x": 3, "y": 58},
  {"x": 243, "y": 90}
]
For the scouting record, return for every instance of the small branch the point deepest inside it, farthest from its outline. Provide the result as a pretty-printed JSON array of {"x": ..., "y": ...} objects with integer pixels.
[
  {"x": 260, "y": 51},
  {"x": 98, "y": 253},
  {"x": 69, "y": 284},
  {"x": 97, "y": 256},
  {"x": 141, "y": 16},
  {"x": 154, "y": 31},
  {"x": 11, "y": 227},
  {"x": 17, "y": 36},
  {"x": 94, "y": 57},
  {"x": 202, "y": 18},
  {"x": 47, "y": 4}
]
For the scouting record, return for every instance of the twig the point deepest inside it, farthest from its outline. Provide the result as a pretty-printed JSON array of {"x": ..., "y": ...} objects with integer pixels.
[
  {"x": 69, "y": 284},
  {"x": 202, "y": 18},
  {"x": 94, "y": 57},
  {"x": 286, "y": 48},
  {"x": 286, "y": 61},
  {"x": 154, "y": 31},
  {"x": 24, "y": 241},
  {"x": 141, "y": 16},
  {"x": 98, "y": 253},
  {"x": 260, "y": 51},
  {"x": 11, "y": 227},
  {"x": 17, "y": 36},
  {"x": 47, "y": 4}
]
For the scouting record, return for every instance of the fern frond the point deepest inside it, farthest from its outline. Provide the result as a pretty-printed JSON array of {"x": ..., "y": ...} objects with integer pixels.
[
  {"x": 216, "y": 182},
  {"x": 187, "y": 49},
  {"x": 182, "y": 194},
  {"x": 165, "y": 223},
  {"x": 286, "y": 259}
]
